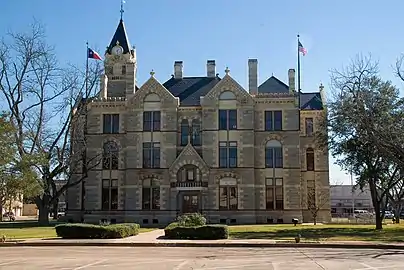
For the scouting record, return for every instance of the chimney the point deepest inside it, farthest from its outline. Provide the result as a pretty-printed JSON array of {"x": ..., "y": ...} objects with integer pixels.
[
  {"x": 103, "y": 86},
  {"x": 292, "y": 85},
  {"x": 211, "y": 68},
  {"x": 253, "y": 76},
  {"x": 178, "y": 69}
]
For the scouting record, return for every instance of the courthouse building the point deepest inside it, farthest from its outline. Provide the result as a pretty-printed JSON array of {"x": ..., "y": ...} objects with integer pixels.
[{"x": 199, "y": 144}]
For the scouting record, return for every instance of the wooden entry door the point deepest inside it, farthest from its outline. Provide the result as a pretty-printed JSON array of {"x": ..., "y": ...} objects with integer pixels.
[{"x": 190, "y": 203}]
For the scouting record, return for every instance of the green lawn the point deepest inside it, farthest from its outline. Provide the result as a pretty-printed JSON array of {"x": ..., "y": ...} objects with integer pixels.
[
  {"x": 390, "y": 233},
  {"x": 25, "y": 230}
]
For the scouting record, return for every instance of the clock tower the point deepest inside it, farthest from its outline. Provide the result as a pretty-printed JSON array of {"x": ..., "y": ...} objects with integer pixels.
[{"x": 119, "y": 79}]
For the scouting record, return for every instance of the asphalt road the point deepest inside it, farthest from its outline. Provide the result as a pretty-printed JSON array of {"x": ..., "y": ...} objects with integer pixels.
[{"x": 172, "y": 258}]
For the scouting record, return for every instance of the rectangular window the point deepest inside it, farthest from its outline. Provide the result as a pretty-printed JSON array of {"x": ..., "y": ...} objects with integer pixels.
[
  {"x": 123, "y": 70},
  {"x": 274, "y": 194},
  {"x": 156, "y": 198},
  {"x": 268, "y": 121},
  {"x": 273, "y": 120},
  {"x": 223, "y": 198},
  {"x": 111, "y": 123},
  {"x": 222, "y": 119},
  {"x": 222, "y": 154},
  {"x": 278, "y": 120},
  {"x": 227, "y": 154},
  {"x": 151, "y": 121},
  {"x": 147, "y": 121},
  {"x": 151, "y": 155},
  {"x": 309, "y": 126},
  {"x": 109, "y": 194},
  {"x": 269, "y": 157},
  {"x": 196, "y": 139},
  {"x": 278, "y": 157},
  {"x": 310, "y": 161},
  {"x": 151, "y": 198},
  {"x": 270, "y": 198},
  {"x": 232, "y": 119},
  {"x": 228, "y": 198},
  {"x": 156, "y": 121},
  {"x": 232, "y": 155},
  {"x": 146, "y": 198},
  {"x": 147, "y": 155},
  {"x": 184, "y": 134},
  {"x": 156, "y": 155},
  {"x": 227, "y": 119}
]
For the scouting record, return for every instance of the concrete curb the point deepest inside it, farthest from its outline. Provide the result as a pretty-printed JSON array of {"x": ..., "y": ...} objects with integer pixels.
[{"x": 204, "y": 244}]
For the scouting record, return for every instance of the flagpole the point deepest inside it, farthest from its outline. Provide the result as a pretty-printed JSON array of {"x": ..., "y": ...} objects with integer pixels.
[
  {"x": 298, "y": 77},
  {"x": 86, "y": 94}
]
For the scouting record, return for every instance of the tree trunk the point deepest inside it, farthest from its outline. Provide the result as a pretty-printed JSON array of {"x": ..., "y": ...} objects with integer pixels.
[
  {"x": 55, "y": 209},
  {"x": 43, "y": 205},
  {"x": 315, "y": 219},
  {"x": 43, "y": 218},
  {"x": 379, "y": 220},
  {"x": 1, "y": 211}
]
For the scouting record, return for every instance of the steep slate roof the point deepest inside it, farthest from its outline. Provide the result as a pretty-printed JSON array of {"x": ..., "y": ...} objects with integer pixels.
[
  {"x": 190, "y": 89},
  {"x": 308, "y": 101},
  {"x": 121, "y": 36},
  {"x": 311, "y": 101},
  {"x": 273, "y": 85}
]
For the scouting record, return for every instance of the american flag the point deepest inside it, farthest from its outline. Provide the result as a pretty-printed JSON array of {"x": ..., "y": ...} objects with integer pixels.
[{"x": 302, "y": 49}]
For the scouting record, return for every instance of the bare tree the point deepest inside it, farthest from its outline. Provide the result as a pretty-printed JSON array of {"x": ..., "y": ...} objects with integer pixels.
[
  {"x": 364, "y": 127},
  {"x": 317, "y": 199},
  {"x": 44, "y": 100}
]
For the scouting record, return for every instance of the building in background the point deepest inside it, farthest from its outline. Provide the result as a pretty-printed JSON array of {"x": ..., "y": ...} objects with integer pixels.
[
  {"x": 199, "y": 144},
  {"x": 345, "y": 197}
]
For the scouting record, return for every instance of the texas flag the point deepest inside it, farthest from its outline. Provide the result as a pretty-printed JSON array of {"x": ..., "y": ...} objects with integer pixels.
[{"x": 93, "y": 54}]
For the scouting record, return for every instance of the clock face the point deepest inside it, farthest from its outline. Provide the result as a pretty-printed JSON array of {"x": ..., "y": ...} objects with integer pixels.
[{"x": 117, "y": 50}]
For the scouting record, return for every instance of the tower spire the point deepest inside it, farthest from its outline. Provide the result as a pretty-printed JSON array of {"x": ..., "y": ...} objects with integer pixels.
[{"x": 122, "y": 10}]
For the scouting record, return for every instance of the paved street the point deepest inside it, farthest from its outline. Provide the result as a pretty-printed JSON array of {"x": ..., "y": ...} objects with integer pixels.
[{"x": 172, "y": 258}]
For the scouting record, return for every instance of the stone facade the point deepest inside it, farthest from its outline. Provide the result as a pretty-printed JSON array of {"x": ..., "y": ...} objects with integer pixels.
[{"x": 189, "y": 175}]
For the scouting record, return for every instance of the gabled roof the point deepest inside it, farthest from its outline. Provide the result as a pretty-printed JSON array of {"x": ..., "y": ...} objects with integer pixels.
[
  {"x": 311, "y": 101},
  {"x": 190, "y": 89},
  {"x": 273, "y": 85},
  {"x": 120, "y": 36}
]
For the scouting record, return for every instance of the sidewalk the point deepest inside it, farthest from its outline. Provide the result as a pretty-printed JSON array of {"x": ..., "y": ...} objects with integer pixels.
[{"x": 154, "y": 239}]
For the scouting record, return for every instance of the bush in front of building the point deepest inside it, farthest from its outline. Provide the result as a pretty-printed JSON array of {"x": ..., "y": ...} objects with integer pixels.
[
  {"x": 90, "y": 231},
  {"x": 191, "y": 220},
  {"x": 206, "y": 232}
]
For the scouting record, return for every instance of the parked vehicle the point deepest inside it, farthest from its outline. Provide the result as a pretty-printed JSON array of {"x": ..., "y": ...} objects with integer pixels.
[
  {"x": 388, "y": 214},
  {"x": 9, "y": 215}
]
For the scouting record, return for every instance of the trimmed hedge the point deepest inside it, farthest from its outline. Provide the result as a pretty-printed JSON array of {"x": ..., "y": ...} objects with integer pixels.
[
  {"x": 89, "y": 231},
  {"x": 206, "y": 232}
]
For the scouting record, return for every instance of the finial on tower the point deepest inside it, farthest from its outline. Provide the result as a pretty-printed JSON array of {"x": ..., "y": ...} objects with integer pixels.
[
  {"x": 122, "y": 11},
  {"x": 152, "y": 73},
  {"x": 227, "y": 70}
]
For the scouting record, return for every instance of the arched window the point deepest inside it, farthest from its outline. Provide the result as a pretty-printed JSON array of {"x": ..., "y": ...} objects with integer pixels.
[
  {"x": 196, "y": 133},
  {"x": 110, "y": 156},
  {"x": 227, "y": 95},
  {"x": 189, "y": 173},
  {"x": 310, "y": 159},
  {"x": 151, "y": 194},
  {"x": 273, "y": 154},
  {"x": 184, "y": 132},
  {"x": 152, "y": 97}
]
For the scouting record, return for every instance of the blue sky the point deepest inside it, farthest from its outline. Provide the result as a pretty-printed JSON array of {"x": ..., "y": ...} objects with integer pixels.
[{"x": 229, "y": 31}]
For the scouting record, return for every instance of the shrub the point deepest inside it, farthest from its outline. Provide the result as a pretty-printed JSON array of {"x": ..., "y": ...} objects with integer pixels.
[
  {"x": 207, "y": 232},
  {"x": 191, "y": 220},
  {"x": 89, "y": 231}
]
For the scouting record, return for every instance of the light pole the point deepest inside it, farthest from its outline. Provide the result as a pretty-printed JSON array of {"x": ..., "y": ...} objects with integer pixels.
[{"x": 353, "y": 196}]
